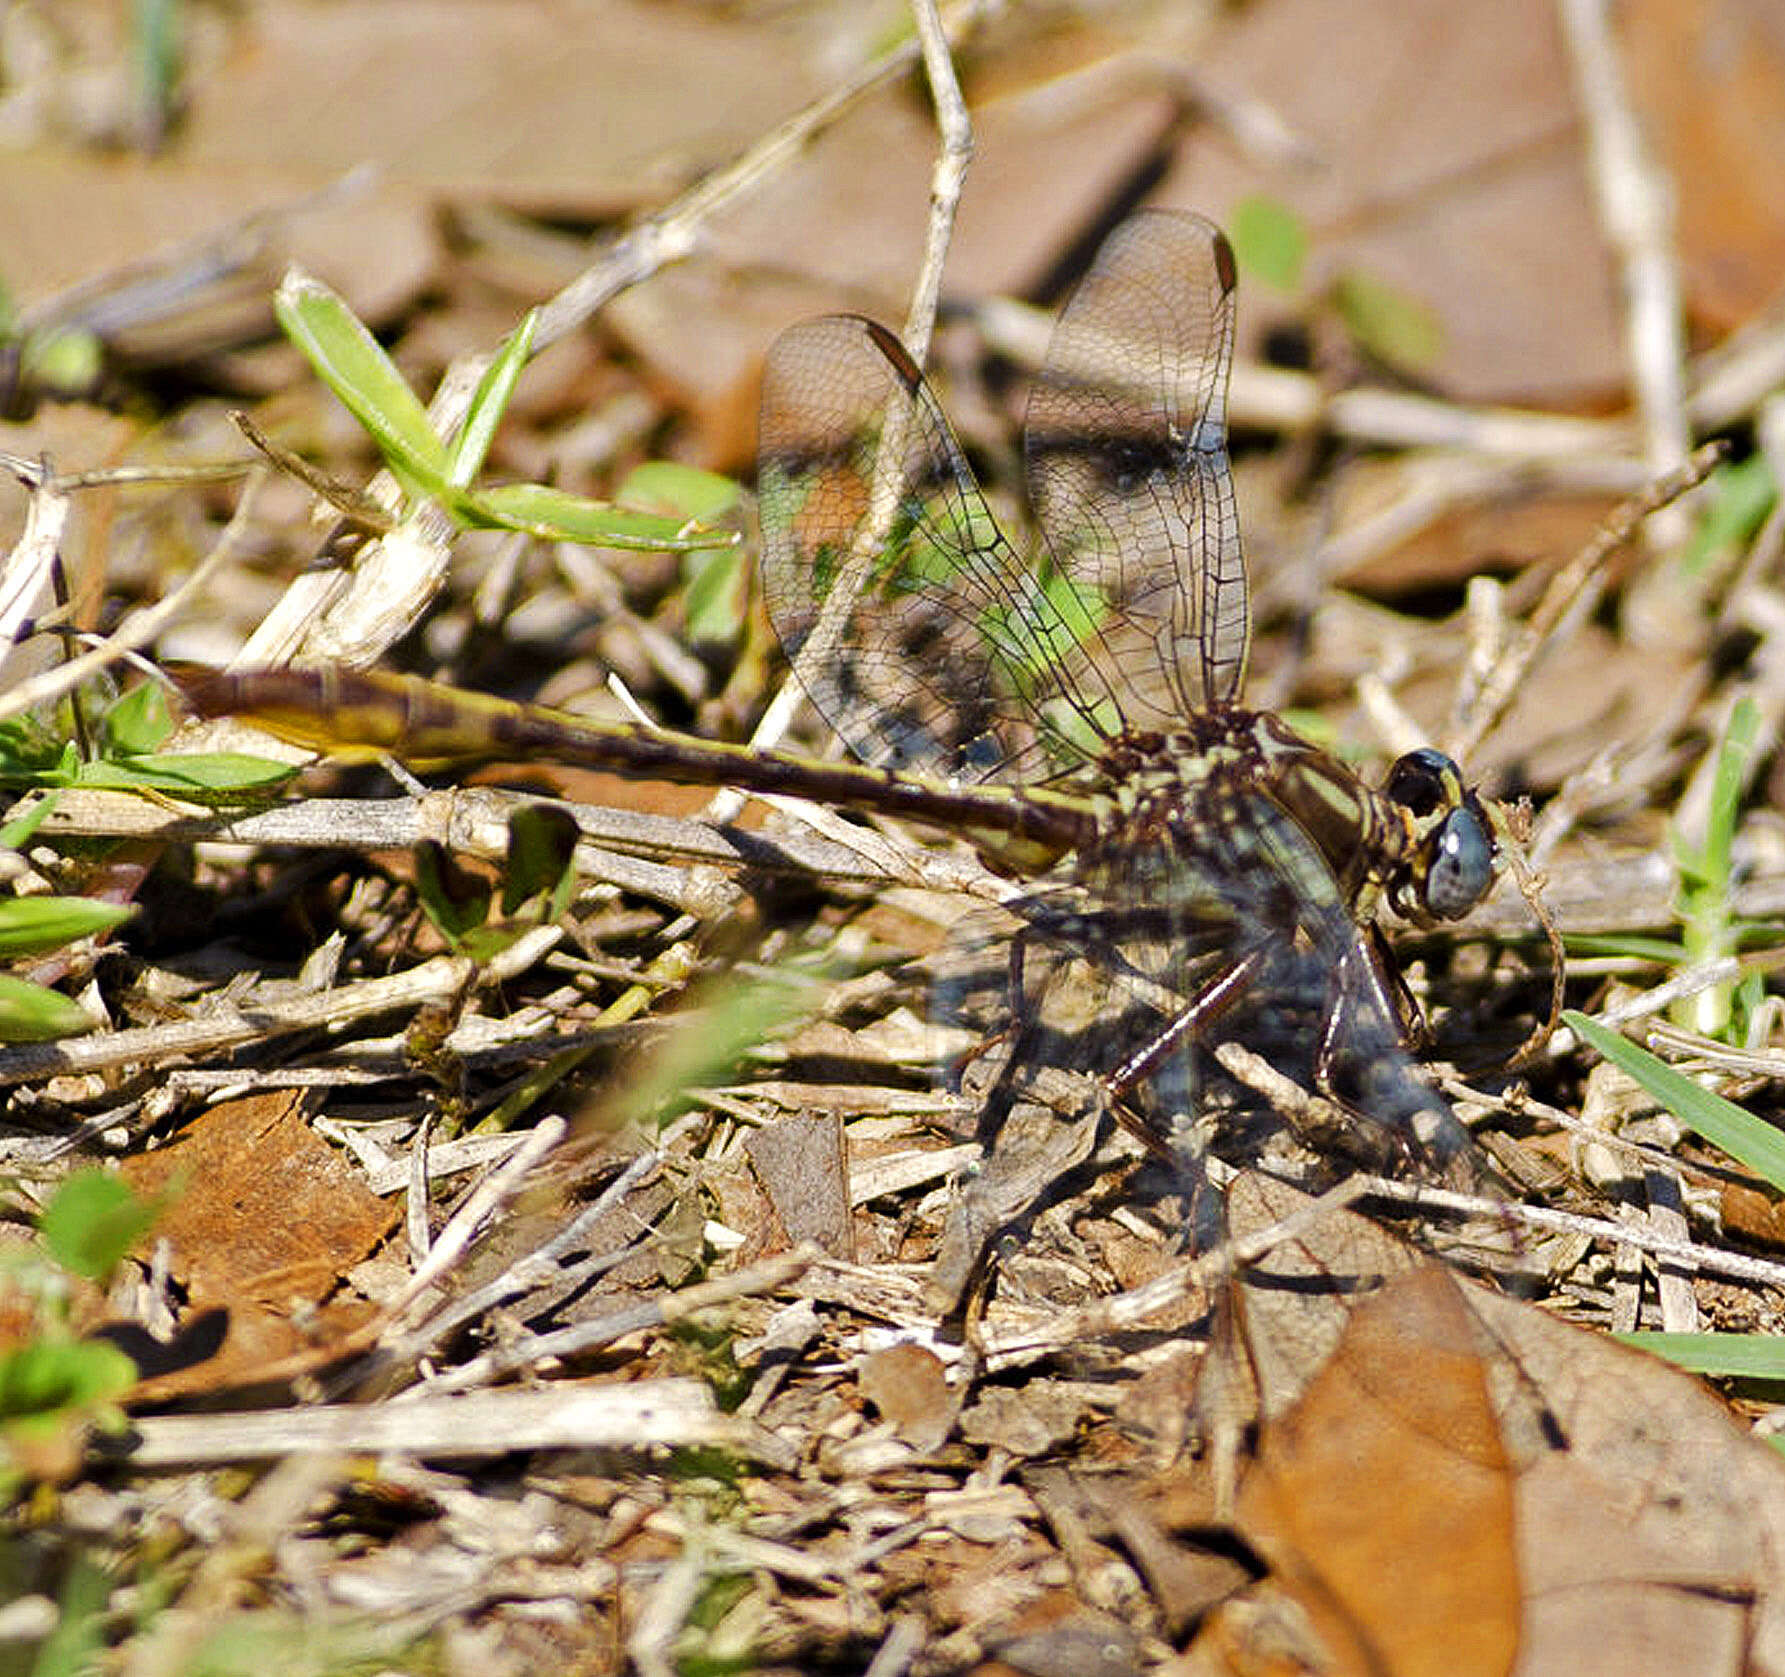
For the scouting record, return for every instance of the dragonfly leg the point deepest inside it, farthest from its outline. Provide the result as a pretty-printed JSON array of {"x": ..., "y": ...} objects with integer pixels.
[
  {"x": 1370, "y": 985},
  {"x": 1409, "y": 1016},
  {"x": 1207, "y": 1005},
  {"x": 1380, "y": 988}
]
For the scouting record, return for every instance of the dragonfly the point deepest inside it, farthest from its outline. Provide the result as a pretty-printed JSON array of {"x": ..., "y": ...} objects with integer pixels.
[{"x": 1075, "y": 713}]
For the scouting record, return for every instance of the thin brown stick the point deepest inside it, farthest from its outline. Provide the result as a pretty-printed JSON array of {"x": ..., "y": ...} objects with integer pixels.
[{"x": 1571, "y": 596}]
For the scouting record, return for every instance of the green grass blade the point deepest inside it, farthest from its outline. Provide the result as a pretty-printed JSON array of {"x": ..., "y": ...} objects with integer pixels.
[
  {"x": 1741, "y": 1135},
  {"x": 16, "y": 834},
  {"x": 141, "y": 721},
  {"x": 31, "y": 925},
  {"x": 668, "y": 486},
  {"x": 352, "y": 363},
  {"x": 30, "y": 1013},
  {"x": 555, "y": 515},
  {"x": 200, "y": 776},
  {"x": 1742, "y": 1356},
  {"x": 466, "y": 456}
]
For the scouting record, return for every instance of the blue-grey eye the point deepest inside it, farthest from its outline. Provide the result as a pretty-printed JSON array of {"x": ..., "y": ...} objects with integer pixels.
[{"x": 1461, "y": 865}]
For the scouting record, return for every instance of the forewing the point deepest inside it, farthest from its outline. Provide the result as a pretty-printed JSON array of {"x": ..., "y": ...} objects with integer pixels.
[
  {"x": 914, "y": 625},
  {"x": 1128, "y": 470}
]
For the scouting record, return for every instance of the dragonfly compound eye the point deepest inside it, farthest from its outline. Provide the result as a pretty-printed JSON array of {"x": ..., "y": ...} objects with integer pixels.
[
  {"x": 1459, "y": 865},
  {"x": 1424, "y": 781}
]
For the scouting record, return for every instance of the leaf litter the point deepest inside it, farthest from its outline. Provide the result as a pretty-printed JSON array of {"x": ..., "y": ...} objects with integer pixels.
[{"x": 708, "y": 1381}]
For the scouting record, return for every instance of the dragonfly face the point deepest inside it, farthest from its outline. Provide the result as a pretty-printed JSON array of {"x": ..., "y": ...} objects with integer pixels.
[
  {"x": 1452, "y": 867},
  {"x": 1112, "y": 662}
]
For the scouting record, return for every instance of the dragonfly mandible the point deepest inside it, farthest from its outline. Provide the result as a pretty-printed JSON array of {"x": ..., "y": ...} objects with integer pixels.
[{"x": 1077, "y": 711}]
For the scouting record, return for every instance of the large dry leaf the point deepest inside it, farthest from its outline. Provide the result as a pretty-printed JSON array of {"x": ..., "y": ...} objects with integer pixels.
[
  {"x": 552, "y": 105},
  {"x": 1709, "y": 78},
  {"x": 1446, "y": 163},
  {"x": 150, "y": 235},
  {"x": 264, "y": 1221},
  {"x": 1447, "y": 1478},
  {"x": 843, "y": 227},
  {"x": 1383, "y": 1500}
]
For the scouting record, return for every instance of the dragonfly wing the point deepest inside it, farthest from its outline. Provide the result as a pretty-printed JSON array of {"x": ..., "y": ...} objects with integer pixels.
[
  {"x": 914, "y": 625},
  {"x": 1128, "y": 471}
]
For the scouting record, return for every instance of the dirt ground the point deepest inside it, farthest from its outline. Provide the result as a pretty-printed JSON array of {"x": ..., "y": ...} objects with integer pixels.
[{"x": 638, "y": 1284}]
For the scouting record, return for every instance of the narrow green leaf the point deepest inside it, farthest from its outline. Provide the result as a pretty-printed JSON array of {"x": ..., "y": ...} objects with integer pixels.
[
  {"x": 202, "y": 776},
  {"x": 139, "y": 722},
  {"x": 93, "y": 1220},
  {"x": 27, "y": 748},
  {"x": 48, "y": 1376},
  {"x": 1741, "y": 1135},
  {"x": 16, "y": 834},
  {"x": 1664, "y": 952},
  {"x": 1736, "y": 502},
  {"x": 1706, "y": 885},
  {"x": 30, "y": 925},
  {"x": 484, "y": 943},
  {"x": 717, "y": 595},
  {"x": 555, "y": 515},
  {"x": 667, "y": 486},
  {"x": 1743, "y": 1356},
  {"x": 352, "y": 363},
  {"x": 1707, "y": 864},
  {"x": 541, "y": 855},
  {"x": 1270, "y": 240},
  {"x": 64, "y": 359},
  {"x": 454, "y": 899},
  {"x": 30, "y": 1013},
  {"x": 1398, "y": 330},
  {"x": 466, "y": 456},
  {"x": 76, "y": 1646},
  {"x": 738, "y": 1017}
]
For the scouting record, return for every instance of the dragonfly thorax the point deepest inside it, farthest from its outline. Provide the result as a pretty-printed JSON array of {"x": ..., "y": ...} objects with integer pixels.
[{"x": 1237, "y": 789}]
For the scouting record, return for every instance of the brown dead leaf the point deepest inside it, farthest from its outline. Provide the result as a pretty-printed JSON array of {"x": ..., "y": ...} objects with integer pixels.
[
  {"x": 79, "y": 219},
  {"x": 1292, "y": 1308},
  {"x": 804, "y": 1168},
  {"x": 1384, "y": 1500},
  {"x": 548, "y": 105},
  {"x": 909, "y": 1387},
  {"x": 1753, "y": 1215},
  {"x": 1463, "y": 1474},
  {"x": 265, "y": 1218},
  {"x": 1660, "y": 1512},
  {"x": 843, "y": 227},
  {"x": 1445, "y": 163},
  {"x": 1709, "y": 80}
]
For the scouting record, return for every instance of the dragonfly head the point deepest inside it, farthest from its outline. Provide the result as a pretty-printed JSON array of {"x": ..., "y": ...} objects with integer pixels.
[{"x": 1452, "y": 863}]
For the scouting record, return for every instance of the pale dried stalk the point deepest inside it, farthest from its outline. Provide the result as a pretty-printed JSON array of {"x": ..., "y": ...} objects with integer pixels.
[
  {"x": 436, "y": 980},
  {"x": 1635, "y": 202},
  {"x": 141, "y": 627},
  {"x": 614, "y": 1415}
]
